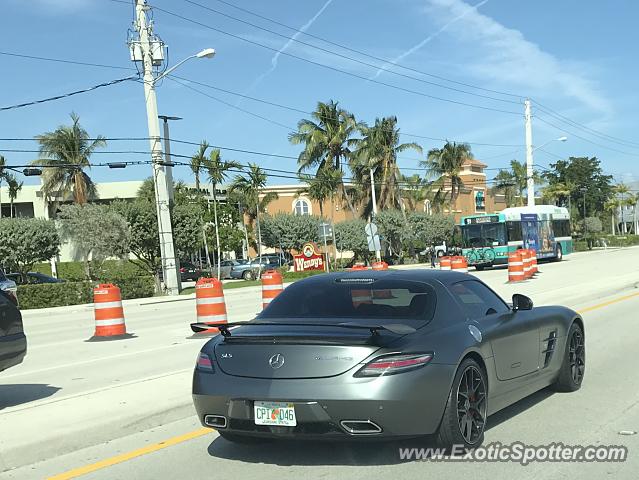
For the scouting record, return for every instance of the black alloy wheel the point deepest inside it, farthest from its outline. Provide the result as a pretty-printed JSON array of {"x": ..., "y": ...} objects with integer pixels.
[{"x": 471, "y": 405}]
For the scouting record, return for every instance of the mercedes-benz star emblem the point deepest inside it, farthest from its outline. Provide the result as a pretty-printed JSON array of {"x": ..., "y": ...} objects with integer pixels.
[{"x": 276, "y": 361}]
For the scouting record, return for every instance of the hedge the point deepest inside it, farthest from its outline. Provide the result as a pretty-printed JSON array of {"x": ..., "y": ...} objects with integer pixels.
[
  {"x": 74, "y": 271},
  {"x": 76, "y": 293}
]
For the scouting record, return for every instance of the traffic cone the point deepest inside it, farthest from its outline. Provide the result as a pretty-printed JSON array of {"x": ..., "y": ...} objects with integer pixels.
[
  {"x": 109, "y": 314},
  {"x": 515, "y": 267},
  {"x": 271, "y": 286},
  {"x": 209, "y": 304}
]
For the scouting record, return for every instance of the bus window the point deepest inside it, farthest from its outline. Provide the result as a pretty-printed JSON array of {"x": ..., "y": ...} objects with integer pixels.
[
  {"x": 561, "y": 228},
  {"x": 514, "y": 231},
  {"x": 484, "y": 235}
]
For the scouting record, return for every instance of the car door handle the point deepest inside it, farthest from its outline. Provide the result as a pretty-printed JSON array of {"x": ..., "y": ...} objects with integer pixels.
[{"x": 516, "y": 365}]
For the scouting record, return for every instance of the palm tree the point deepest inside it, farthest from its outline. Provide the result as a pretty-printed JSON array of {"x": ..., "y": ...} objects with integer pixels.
[
  {"x": 218, "y": 171},
  {"x": 612, "y": 205},
  {"x": 66, "y": 152},
  {"x": 14, "y": 187},
  {"x": 622, "y": 190},
  {"x": 250, "y": 186},
  {"x": 326, "y": 138},
  {"x": 197, "y": 161},
  {"x": 416, "y": 190},
  {"x": 505, "y": 183},
  {"x": 376, "y": 154},
  {"x": 446, "y": 164}
]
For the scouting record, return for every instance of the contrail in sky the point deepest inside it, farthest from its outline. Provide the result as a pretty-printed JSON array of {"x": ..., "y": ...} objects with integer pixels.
[
  {"x": 276, "y": 57},
  {"x": 413, "y": 49}
]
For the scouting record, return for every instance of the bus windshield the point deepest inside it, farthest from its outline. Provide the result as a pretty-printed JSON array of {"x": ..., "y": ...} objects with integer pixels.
[{"x": 484, "y": 235}]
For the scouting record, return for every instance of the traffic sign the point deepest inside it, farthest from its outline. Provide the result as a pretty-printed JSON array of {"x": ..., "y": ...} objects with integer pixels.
[{"x": 370, "y": 229}]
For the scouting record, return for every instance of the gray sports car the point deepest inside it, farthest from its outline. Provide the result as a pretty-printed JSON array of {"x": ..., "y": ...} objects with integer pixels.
[{"x": 383, "y": 354}]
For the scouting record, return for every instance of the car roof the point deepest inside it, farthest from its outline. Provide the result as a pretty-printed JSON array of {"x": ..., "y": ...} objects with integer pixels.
[{"x": 446, "y": 277}]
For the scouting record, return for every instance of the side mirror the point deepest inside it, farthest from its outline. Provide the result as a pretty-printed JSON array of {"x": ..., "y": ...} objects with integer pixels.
[{"x": 521, "y": 302}]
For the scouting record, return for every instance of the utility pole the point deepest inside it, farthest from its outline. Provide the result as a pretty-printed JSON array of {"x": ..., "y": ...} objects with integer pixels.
[
  {"x": 169, "y": 263},
  {"x": 378, "y": 253},
  {"x": 530, "y": 181},
  {"x": 583, "y": 190},
  {"x": 167, "y": 152}
]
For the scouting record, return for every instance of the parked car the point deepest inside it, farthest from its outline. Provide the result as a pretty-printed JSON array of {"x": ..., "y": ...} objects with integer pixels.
[
  {"x": 13, "y": 342},
  {"x": 33, "y": 278},
  {"x": 9, "y": 287},
  {"x": 189, "y": 272},
  {"x": 227, "y": 265},
  {"x": 251, "y": 270}
]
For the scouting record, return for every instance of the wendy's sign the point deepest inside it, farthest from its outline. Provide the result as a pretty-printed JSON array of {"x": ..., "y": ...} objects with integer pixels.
[{"x": 310, "y": 258}]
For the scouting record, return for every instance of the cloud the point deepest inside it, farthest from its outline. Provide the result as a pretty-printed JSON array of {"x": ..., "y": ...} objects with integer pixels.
[
  {"x": 503, "y": 55},
  {"x": 277, "y": 54},
  {"x": 426, "y": 40}
]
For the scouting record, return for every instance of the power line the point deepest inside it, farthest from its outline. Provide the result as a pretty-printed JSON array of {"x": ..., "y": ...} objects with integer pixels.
[
  {"x": 346, "y": 57},
  {"x": 591, "y": 131},
  {"x": 364, "y": 54},
  {"x": 335, "y": 69},
  {"x": 60, "y": 60},
  {"x": 70, "y": 94}
]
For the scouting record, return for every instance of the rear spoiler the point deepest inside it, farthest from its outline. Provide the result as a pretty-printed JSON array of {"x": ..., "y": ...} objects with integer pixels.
[{"x": 225, "y": 328}]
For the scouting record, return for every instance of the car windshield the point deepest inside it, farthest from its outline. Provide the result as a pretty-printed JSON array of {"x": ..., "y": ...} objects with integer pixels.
[
  {"x": 484, "y": 235},
  {"x": 385, "y": 301}
]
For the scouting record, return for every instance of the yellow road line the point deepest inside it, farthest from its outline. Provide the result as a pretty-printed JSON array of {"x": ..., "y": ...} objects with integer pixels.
[
  {"x": 130, "y": 455},
  {"x": 610, "y": 302},
  {"x": 203, "y": 431}
]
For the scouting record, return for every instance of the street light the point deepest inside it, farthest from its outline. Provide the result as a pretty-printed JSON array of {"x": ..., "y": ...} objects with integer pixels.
[
  {"x": 583, "y": 190},
  {"x": 529, "y": 170},
  {"x": 206, "y": 53}
]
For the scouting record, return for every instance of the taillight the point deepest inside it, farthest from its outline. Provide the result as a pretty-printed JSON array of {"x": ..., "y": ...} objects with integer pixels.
[
  {"x": 204, "y": 362},
  {"x": 394, "y": 363},
  {"x": 182, "y": 269}
]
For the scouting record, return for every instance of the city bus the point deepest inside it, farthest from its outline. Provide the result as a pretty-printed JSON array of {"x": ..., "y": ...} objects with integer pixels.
[{"x": 488, "y": 238}]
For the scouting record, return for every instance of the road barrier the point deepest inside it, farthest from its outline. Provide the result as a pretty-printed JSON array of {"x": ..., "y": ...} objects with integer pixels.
[
  {"x": 515, "y": 267},
  {"x": 459, "y": 264},
  {"x": 358, "y": 267},
  {"x": 109, "y": 314},
  {"x": 380, "y": 266},
  {"x": 526, "y": 259},
  {"x": 445, "y": 263},
  {"x": 533, "y": 253},
  {"x": 209, "y": 303},
  {"x": 272, "y": 286}
]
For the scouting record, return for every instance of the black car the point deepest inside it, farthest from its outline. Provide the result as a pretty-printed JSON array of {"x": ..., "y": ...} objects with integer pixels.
[
  {"x": 33, "y": 278},
  {"x": 13, "y": 343},
  {"x": 189, "y": 272},
  {"x": 384, "y": 354}
]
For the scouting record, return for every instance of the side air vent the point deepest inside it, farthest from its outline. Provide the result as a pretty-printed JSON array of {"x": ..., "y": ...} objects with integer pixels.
[{"x": 551, "y": 343}]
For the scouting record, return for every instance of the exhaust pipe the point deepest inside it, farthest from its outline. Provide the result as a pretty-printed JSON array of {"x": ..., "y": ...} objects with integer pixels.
[
  {"x": 360, "y": 427},
  {"x": 215, "y": 421}
]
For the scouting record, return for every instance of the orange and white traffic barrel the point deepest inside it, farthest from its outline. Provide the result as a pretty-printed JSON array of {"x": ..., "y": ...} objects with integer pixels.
[
  {"x": 525, "y": 256},
  {"x": 380, "y": 266},
  {"x": 272, "y": 286},
  {"x": 209, "y": 303},
  {"x": 459, "y": 264},
  {"x": 109, "y": 314},
  {"x": 445, "y": 263},
  {"x": 533, "y": 264},
  {"x": 358, "y": 266},
  {"x": 515, "y": 267}
]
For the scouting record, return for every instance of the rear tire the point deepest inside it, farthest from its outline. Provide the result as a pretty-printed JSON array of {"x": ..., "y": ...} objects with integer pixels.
[
  {"x": 573, "y": 367},
  {"x": 560, "y": 254},
  {"x": 242, "y": 439},
  {"x": 247, "y": 275},
  {"x": 480, "y": 268},
  {"x": 464, "y": 419}
]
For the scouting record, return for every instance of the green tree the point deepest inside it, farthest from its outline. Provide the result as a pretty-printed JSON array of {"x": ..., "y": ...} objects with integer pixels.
[
  {"x": 289, "y": 231},
  {"x": 445, "y": 164},
  {"x": 197, "y": 161},
  {"x": 66, "y": 153},
  {"x": 14, "y": 187},
  {"x": 377, "y": 152},
  {"x": 506, "y": 185},
  {"x": 250, "y": 186},
  {"x": 431, "y": 230},
  {"x": 416, "y": 191},
  {"x": 27, "y": 241},
  {"x": 350, "y": 235},
  {"x": 187, "y": 230},
  {"x": 326, "y": 139},
  {"x": 218, "y": 171},
  {"x": 395, "y": 232},
  {"x": 96, "y": 232},
  {"x": 582, "y": 174}
]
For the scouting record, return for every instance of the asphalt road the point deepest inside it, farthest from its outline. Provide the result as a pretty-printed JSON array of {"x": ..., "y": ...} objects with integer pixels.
[{"x": 98, "y": 400}]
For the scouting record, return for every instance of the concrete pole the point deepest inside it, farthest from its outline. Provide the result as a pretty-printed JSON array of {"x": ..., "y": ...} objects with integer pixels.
[
  {"x": 530, "y": 181},
  {"x": 378, "y": 253},
  {"x": 169, "y": 263}
]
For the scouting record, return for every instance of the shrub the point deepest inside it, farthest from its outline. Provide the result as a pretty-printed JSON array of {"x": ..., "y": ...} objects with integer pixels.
[{"x": 76, "y": 293}]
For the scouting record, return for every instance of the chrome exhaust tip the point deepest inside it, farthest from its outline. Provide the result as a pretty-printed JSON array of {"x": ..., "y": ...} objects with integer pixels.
[
  {"x": 215, "y": 421},
  {"x": 360, "y": 427}
]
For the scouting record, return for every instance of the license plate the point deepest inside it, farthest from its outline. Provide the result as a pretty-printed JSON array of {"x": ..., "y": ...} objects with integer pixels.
[{"x": 274, "y": 413}]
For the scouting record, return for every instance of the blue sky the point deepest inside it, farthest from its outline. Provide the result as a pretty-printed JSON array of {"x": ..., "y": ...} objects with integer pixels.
[{"x": 577, "y": 58}]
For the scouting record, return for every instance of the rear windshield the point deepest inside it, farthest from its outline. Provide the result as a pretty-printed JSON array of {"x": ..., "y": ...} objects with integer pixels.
[{"x": 386, "y": 301}]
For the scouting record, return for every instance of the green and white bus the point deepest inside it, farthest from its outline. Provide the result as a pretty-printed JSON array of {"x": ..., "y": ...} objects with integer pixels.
[{"x": 488, "y": 238}]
